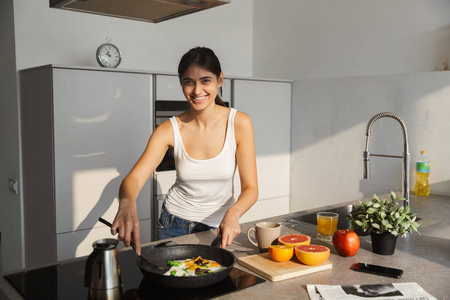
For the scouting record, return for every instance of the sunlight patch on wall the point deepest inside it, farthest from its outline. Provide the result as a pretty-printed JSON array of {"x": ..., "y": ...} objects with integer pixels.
[
  {"x": 89, "y": 155},
  {"x": 92, "y": 195},
  {"x": 326, "y": 167},
  {"x": 97, "y": 119},
  {"x": 118, "y": 93}
]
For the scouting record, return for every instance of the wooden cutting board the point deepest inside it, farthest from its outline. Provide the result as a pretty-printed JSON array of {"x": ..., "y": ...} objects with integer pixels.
[{"x": 276, "y": 271}]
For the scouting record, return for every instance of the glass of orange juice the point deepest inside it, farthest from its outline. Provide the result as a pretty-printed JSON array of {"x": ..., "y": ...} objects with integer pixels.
[{"x": 326, "y": 225}]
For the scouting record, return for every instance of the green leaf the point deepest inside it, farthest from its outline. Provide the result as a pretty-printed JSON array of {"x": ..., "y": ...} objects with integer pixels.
[
  {"x": 371, "y": 210},
  {"x": 375, "y": 225}
]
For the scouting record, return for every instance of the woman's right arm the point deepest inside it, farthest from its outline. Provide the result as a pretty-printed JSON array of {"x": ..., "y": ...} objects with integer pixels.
[{"x": 126, "y": 221}]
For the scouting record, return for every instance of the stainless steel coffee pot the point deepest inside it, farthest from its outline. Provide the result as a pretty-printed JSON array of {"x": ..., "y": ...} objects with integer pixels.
[{"x": 102, "y": 272}]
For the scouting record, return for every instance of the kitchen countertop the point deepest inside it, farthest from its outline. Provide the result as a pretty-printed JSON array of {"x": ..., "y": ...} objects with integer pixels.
[{"x": 424, "y": 258}]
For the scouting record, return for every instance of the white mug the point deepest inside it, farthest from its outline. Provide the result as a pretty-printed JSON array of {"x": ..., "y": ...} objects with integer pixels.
[{"x": 266, "y": 233}]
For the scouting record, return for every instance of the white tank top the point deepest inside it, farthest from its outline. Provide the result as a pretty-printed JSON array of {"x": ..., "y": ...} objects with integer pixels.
[{"x": 203, "y": 190}]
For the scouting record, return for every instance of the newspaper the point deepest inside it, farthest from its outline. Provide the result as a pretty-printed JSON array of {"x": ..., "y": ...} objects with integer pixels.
[{"x": 387, "y": 291}]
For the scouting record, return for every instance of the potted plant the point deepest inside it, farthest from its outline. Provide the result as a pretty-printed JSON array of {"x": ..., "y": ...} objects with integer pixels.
[{"x": 384, "y": 219}]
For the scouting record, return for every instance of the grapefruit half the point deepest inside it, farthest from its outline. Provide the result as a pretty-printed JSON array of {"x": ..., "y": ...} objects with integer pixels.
[
  {"x": 312, "y": 255},
  {"x": 281, "y": 253},
  {"x": 294, "y": 240}
]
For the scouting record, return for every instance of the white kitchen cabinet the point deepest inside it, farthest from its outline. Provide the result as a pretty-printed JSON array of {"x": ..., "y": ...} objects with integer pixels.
[
  {"x": 268, "y": 104},
  {"x": 82, "y": 132},
  {"x": 266, "y": 208}
]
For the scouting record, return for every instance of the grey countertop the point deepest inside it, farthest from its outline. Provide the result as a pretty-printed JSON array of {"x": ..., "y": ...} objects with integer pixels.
[{"x": 424, "y": 258}]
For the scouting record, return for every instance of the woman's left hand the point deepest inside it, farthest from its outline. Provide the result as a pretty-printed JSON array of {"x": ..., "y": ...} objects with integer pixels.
[{"x": 229, "y": 227}]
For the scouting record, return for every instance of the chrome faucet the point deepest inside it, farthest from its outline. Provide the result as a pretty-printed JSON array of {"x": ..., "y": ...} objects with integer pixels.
[{"x": 405, "y": 157}]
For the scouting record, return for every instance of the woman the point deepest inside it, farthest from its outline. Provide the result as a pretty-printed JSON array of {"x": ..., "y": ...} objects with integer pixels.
[{"x": 209, "y": 140}]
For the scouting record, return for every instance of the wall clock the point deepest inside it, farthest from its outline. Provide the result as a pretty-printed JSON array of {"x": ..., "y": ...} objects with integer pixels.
[{"x": 108, "y": 55}]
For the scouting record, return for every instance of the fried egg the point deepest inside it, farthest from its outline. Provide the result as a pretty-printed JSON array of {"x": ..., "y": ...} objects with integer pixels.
[{"x": 193, "y": 267}]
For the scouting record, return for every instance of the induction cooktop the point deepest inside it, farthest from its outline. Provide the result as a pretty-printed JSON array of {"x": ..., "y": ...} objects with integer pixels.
[{"x": 66, "y": 281}]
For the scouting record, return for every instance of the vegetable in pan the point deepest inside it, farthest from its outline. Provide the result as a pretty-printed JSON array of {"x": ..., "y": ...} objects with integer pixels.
[{"x": 192, "y": 267}]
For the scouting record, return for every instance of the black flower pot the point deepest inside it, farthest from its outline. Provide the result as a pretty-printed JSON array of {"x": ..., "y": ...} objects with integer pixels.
[
  {"x": 384, "y": 243},
  {"x": 360, "y": 232}
]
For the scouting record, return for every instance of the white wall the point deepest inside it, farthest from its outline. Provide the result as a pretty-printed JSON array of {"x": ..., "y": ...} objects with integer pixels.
[
  {"x": 297, "y": 39},
  {"x": 32, "y": 34},
  {"x": 330, "y": 121},
  {"x": 52, "y": 36},
  {"x": 350, "y": 42}
]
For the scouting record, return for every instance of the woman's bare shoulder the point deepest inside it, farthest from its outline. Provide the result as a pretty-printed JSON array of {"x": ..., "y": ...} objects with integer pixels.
[
  {"x": 242, "y": 121},
  {"x": 164, "y": 132},
  {"x": 165, "y": 126}
]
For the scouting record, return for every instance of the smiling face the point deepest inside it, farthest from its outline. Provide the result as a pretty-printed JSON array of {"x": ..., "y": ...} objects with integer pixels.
[{"x": 200, "y": 86}]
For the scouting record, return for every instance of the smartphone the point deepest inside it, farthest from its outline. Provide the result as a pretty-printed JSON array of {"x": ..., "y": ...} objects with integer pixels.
[{"x": 377, "y": 270}]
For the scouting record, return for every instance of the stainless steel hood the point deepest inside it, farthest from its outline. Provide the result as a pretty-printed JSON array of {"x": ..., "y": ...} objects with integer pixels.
[{"x": 153, "y": 11}]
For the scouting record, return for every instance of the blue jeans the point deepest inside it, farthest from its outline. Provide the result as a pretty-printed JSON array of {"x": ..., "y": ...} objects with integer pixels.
[{"x": 170, "y": 226}]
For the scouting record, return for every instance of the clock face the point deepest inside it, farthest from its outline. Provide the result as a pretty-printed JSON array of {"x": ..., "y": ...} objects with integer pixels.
[{"x": 108, "y": 56}]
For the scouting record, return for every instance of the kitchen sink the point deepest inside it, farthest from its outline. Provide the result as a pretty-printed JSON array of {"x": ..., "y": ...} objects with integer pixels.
[{"x": 343, "y": 211}]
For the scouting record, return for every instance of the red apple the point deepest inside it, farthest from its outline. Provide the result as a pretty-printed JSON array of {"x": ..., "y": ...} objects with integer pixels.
[{"x": 346, "y": 242}]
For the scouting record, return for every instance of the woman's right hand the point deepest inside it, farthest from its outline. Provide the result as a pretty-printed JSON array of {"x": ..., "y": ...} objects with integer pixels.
[{"x": 126, "y": 223}]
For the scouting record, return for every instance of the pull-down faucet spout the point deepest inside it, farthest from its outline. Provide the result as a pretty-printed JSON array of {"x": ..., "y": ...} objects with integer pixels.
[{"x": 405, "y": 157}]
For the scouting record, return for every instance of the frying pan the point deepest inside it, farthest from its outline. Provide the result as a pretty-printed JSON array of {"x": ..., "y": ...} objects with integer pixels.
[
  {"x": 151, "y": 260},
  {"x": 162, "y": 255}
]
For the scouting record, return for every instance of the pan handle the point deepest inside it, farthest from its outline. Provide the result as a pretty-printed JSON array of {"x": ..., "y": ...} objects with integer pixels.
[
  {"x": 155, "y": 265},
  {"x": 217, "y": 242},
  {"x": 109, "y": 225}
]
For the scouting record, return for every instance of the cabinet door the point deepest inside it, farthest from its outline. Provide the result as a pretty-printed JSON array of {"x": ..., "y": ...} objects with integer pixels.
[
  {"x": 267, "y": 208},
  {"x": 268, "y": 103},
  {"x": 102, "y": 122}
]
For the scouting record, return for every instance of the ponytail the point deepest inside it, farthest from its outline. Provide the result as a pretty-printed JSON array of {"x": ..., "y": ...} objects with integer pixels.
[{"x": 219, "y": 100}]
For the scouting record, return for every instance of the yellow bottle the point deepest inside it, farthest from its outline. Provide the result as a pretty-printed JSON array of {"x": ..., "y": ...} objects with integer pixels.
[{"x": 422, "y": 187}]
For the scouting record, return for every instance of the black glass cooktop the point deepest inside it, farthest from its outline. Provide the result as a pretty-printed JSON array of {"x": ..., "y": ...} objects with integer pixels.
[{"x": 66, "y": 281}]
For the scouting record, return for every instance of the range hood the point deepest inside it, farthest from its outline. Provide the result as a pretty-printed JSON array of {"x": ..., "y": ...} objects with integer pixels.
[{"x": 153, "y": 11}]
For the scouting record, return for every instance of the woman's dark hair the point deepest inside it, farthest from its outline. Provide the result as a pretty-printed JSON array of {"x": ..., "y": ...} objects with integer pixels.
[{"x": 204, "y": 58}]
